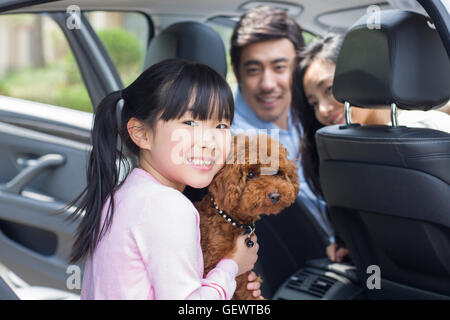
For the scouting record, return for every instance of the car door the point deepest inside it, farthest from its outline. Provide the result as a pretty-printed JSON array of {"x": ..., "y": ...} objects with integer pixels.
[{"x": 44, "y": 146}]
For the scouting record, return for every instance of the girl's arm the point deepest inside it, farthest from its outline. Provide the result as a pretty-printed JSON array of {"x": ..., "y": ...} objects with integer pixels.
[{"x": 169, "y": 242}]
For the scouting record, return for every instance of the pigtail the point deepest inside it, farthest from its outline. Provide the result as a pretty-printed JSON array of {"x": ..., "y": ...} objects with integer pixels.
[{"x": 102, "y": 179}]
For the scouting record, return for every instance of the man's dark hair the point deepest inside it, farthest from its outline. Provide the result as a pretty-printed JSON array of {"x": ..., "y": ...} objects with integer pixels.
[{"x": 261, "y": 24}]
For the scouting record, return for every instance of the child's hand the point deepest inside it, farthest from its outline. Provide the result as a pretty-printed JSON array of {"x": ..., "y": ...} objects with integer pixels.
[
  {"x": 244, "y": 256},
  {"x": 336, "y": 253},
  {"x": 254, "y": 285}
]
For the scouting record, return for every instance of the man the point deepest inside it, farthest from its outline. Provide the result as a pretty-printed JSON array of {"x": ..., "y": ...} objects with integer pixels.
[{"x": 265, "y": 46}]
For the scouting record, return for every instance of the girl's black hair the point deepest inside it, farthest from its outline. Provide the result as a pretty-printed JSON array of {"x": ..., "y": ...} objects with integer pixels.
[
  {"x": 326, "y": 48},
  {"x": 164, "y": 91}
]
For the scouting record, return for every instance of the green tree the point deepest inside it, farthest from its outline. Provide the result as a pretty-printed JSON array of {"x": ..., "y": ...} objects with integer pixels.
[{"x": 124, "y": 49}]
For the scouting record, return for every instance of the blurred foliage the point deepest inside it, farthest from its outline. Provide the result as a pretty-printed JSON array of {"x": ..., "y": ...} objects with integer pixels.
[
  {"x": 3, "y": 89},
  {"x": 60, "y": 83},
  {"x": 47, "y": 85},
  {"x": 308, "y": 37},
  {"x": 125, "y": 51}
]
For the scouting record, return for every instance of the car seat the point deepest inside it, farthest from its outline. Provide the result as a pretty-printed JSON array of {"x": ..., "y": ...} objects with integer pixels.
[
  {"x": 387, "y": 187},
  {"x": 189, "y": 40}
]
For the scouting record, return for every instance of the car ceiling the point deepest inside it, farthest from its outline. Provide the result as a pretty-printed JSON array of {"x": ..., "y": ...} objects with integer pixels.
[{"x": 315, "y": 16}]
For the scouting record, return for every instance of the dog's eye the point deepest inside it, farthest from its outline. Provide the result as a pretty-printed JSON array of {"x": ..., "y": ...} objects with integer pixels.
[{"x": 251, "y": 175}]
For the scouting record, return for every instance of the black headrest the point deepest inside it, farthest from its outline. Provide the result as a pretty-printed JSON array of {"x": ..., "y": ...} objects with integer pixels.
[
  {"x": 193, "y": 41},
  {"x": 403, "y": 62}
]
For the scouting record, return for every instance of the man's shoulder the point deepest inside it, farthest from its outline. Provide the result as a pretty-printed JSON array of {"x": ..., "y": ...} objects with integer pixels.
[
  {"x": 240, "y": 123},
  {"x": 241, "y": 114}
]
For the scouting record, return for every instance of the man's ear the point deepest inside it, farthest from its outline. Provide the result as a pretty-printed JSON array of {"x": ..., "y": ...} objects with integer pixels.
[{"x": 139, "y": 133}]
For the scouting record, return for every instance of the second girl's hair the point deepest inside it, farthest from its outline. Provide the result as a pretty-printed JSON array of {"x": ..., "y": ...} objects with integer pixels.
[
  {"x": 164, "y": 91},
  {"x": 326, "y": 48}
]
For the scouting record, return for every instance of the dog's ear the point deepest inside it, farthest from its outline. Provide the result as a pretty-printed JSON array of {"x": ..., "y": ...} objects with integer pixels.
[
  {"x": 293, "y": 175},
  {"x": 290, "y": 168},
  {"x": 227, "y": 186},
  {"x": 229, "y": 183}
]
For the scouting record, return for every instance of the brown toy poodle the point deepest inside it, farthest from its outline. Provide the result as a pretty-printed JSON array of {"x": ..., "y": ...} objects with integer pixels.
[{"x": 250, "y": 184}]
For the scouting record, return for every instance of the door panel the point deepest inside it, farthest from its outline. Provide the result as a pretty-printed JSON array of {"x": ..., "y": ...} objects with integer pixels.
[
  {"x": 44, "y": 148},
  {"x": 35, "y": 242}
]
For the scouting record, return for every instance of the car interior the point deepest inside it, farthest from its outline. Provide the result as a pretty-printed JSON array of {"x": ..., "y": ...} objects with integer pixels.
[
  {"x": 405, "y": 185},
  {"x": 387, "y": 187}
]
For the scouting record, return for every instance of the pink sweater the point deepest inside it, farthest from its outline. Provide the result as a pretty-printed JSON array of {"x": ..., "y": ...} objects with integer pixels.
[{"x": 152, "y": 249}]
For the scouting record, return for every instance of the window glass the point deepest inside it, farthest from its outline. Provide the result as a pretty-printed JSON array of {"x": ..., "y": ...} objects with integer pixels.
[
  {"x": 36, "y": 63},
  {"x": 125, "y": 36},
  {"x": 225, "y": 33}
]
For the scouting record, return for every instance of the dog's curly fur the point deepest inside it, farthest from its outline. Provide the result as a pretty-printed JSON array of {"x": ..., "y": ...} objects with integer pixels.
[{"x": 244, "y": 197}]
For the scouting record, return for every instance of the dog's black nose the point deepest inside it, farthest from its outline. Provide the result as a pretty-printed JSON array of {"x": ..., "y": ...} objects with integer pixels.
[{"x": 274, "y": 196}]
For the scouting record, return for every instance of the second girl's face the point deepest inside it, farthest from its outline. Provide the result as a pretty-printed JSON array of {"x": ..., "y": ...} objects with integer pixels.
[
  {"x": 318, "y": 83},
  {"x": 190, "y": 152}
]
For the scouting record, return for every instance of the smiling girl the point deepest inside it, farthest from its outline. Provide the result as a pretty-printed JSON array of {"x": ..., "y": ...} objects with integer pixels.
[{"x": 140, "y": 237}]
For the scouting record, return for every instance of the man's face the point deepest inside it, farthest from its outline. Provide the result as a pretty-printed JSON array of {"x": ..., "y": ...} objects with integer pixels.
[{"x": 265, "y": 75}]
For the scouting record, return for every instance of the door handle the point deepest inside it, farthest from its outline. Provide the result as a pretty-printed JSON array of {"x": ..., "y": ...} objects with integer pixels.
[{"x": 32, "y": 169}]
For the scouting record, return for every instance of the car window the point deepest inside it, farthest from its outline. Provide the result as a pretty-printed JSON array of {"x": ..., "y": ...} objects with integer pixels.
[
  {"x": 308, "y": 37},
  {"x": 125, "y": 36},
  {"x": 225, "y": 33},
  {"x": 37, "y": 64}
]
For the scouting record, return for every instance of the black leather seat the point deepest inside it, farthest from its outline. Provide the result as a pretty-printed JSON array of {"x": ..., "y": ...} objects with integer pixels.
[
  {"x": 189, "y": 40},
  {"x": 388, "y": 187}
]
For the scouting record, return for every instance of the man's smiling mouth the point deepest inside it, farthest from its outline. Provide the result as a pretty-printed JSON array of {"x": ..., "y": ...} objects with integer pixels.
[{"x": 268, "y": 100}]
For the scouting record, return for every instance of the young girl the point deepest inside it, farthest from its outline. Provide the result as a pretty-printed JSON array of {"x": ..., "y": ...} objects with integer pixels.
[{"x": 141, "y": 237}]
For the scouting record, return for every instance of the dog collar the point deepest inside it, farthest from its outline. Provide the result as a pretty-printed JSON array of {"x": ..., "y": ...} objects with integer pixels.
[{"x": 250, "y": 229}]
